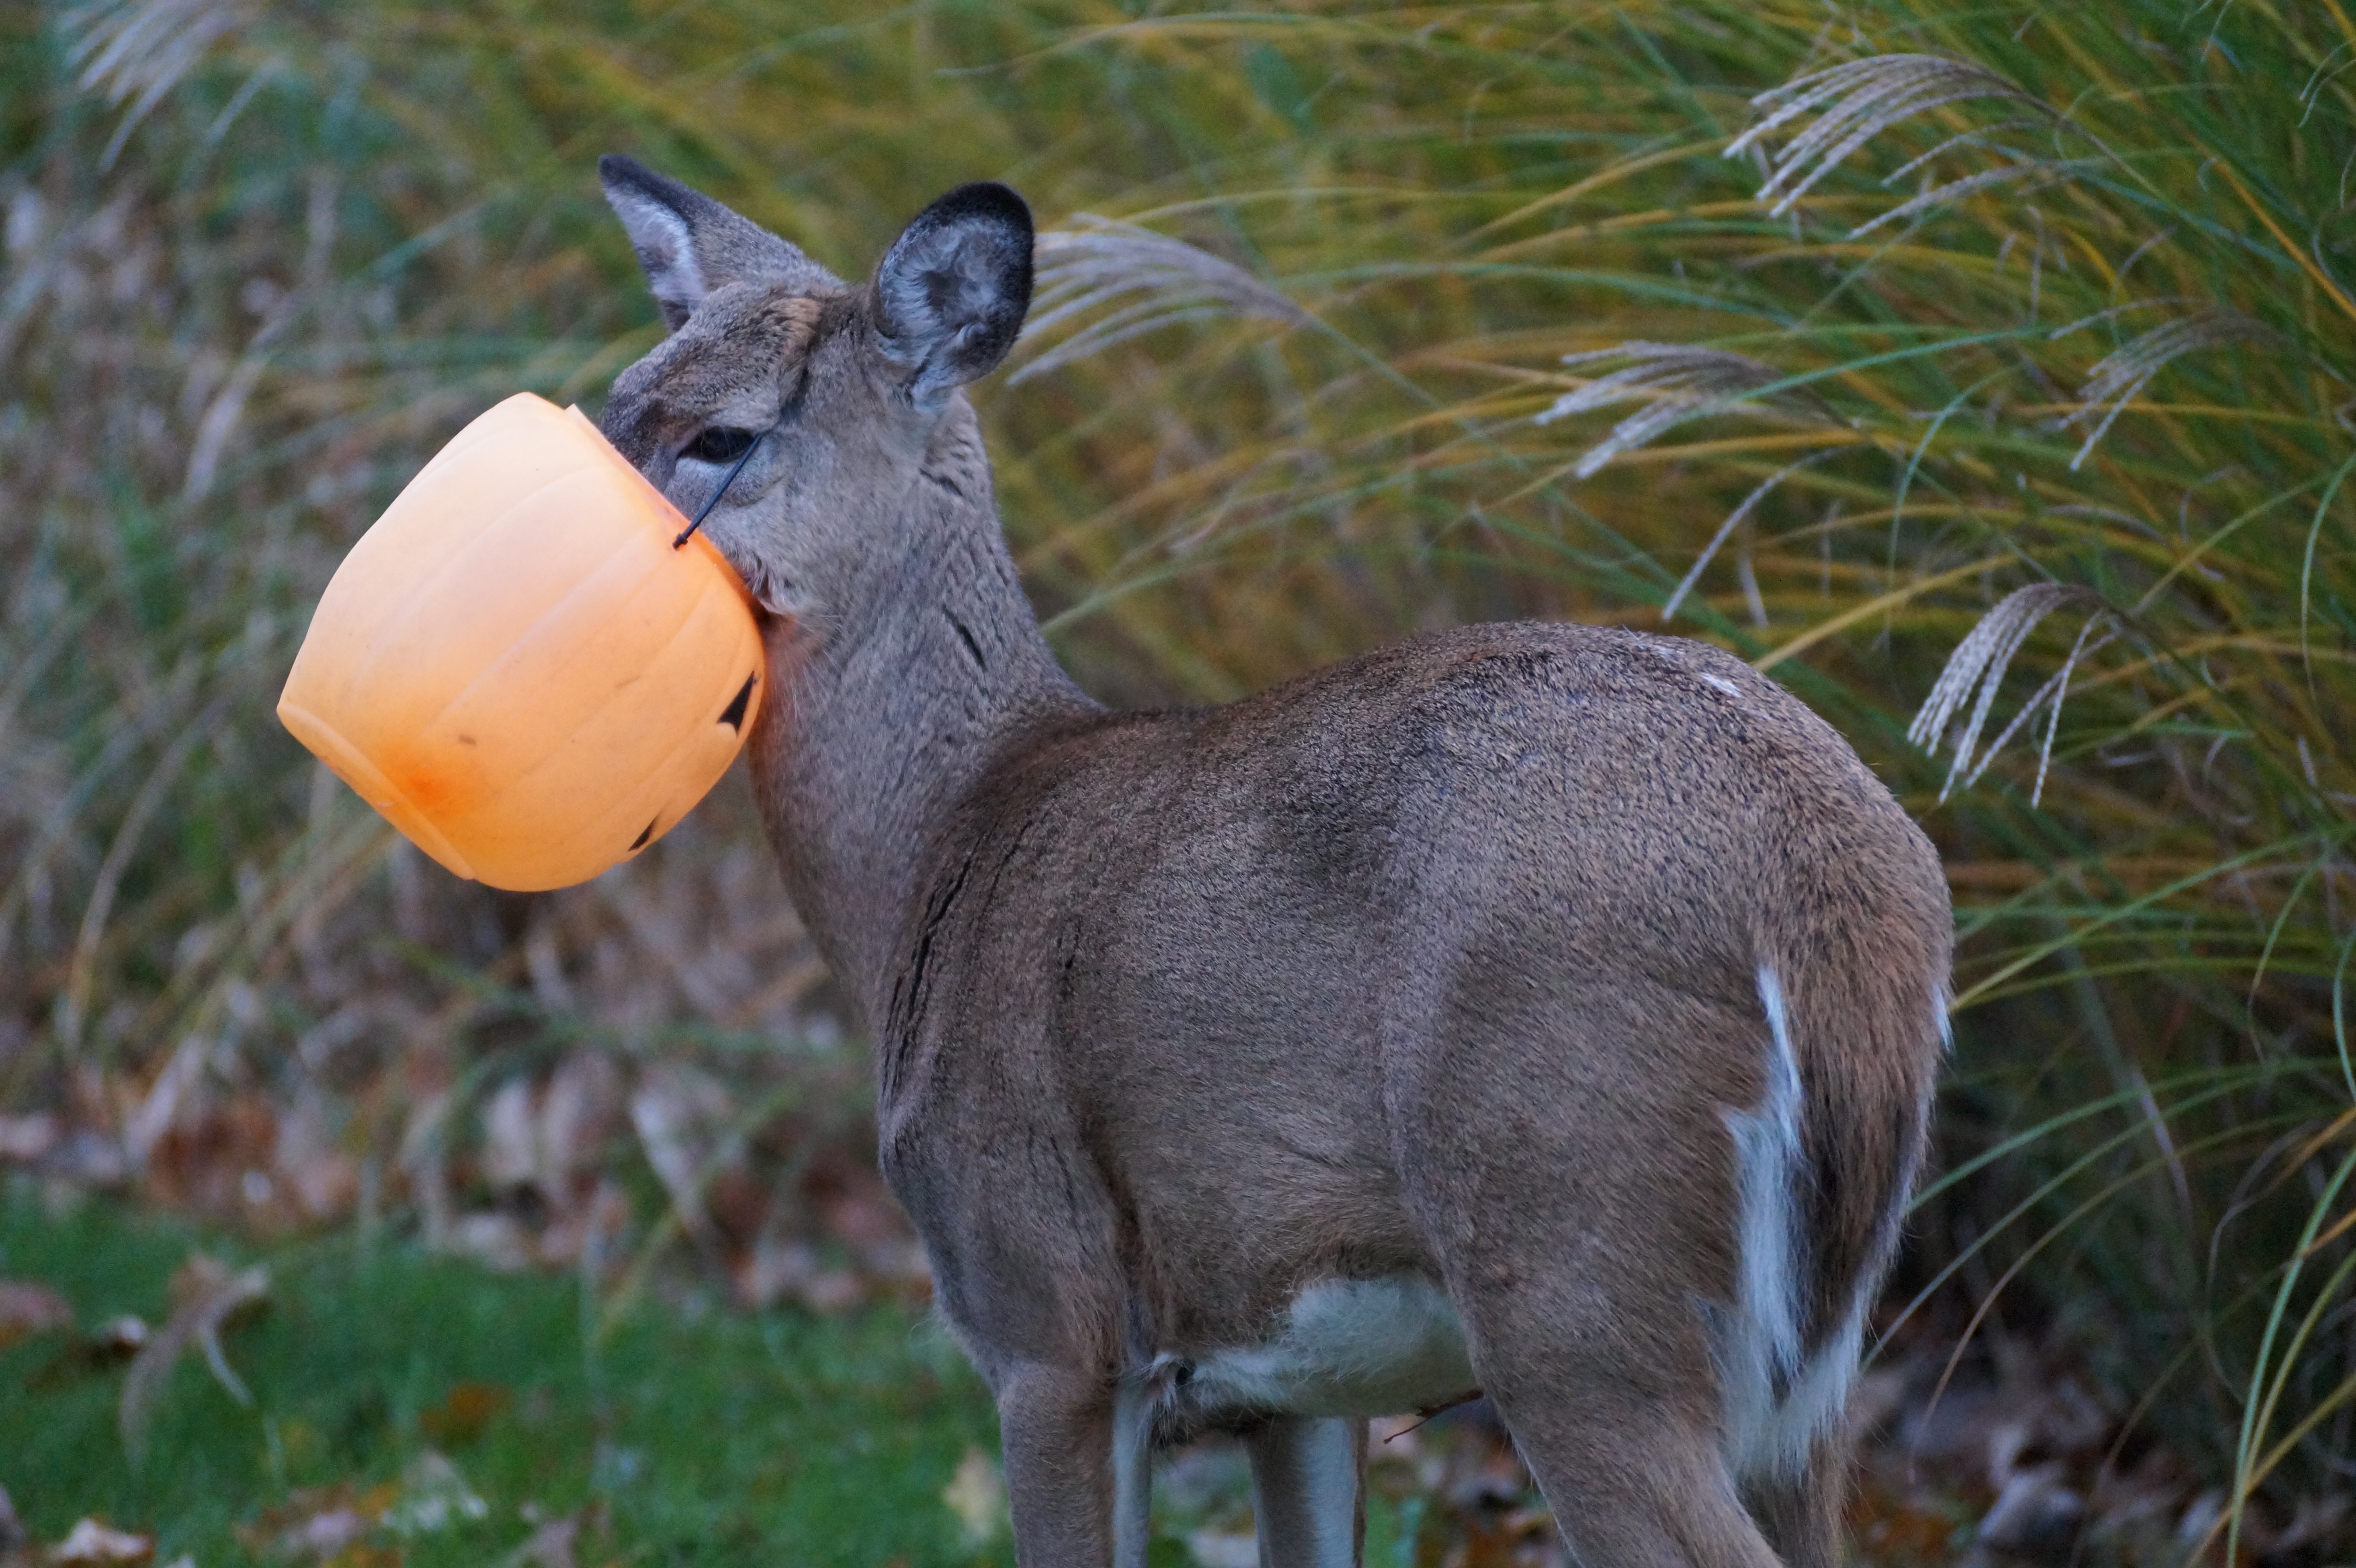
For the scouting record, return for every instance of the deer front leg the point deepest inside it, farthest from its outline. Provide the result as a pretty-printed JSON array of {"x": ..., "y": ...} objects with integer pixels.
[
  {"x": 1308, "y": 1491},
  {"x": 1132, "y": 1471},
  {"x": 1056, "y": 1426}
]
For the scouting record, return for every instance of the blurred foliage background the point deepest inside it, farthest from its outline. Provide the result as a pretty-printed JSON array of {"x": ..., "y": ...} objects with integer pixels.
[{"x": 1983, "y": 372}]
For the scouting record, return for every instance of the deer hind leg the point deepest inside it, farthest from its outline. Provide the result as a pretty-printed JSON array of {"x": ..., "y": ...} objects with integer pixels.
[
  {"x": 1608, "y": 1387},
  {"x": 1618, "y": 1428},
  {"x": 1630, "y": 1486},
  {"x": 1567, "y": 1159},
  {"x": 1309, "y": 1491},
  {"x": 1801, "y": 1514}
]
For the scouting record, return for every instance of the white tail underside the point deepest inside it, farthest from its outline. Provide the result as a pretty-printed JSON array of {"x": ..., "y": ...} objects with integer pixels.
[{"x": 1776, "y": 1404}]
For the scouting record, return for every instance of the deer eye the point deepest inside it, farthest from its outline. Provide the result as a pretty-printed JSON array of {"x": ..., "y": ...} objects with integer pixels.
[{"x": 721, "y": 444}]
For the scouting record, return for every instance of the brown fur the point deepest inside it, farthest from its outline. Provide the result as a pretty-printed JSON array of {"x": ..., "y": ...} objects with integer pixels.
[{"x": 1442, "y": 962}]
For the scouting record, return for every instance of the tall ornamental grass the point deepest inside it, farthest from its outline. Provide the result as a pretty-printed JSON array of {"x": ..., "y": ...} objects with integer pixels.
[{"x": 1983, "y": 373}]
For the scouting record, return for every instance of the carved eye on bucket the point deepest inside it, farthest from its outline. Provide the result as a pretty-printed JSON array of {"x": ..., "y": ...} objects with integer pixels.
[{"x": 734, "y": 717}]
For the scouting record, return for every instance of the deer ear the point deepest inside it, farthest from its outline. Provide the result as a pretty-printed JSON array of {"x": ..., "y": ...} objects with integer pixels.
[
  {"x": 951, "y": 292},
  {"x": 690, "y": 244}
]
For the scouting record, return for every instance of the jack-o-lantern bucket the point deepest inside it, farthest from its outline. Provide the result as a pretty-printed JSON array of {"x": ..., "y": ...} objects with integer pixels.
[{"x": 517, "y": 667}]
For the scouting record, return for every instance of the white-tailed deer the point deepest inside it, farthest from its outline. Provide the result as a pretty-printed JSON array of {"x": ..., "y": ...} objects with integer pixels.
[{"x": 1545, "y": 1010}]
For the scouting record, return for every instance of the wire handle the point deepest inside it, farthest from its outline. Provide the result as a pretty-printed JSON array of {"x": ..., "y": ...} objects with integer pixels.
[{"x": 730, "y": 479}]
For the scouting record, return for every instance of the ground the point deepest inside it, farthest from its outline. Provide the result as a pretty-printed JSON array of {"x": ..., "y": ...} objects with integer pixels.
[{"x": 196, "y": 1398}]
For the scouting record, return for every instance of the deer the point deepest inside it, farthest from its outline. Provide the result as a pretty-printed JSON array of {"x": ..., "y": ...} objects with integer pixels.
[{"x": 1548, "y": 1012}]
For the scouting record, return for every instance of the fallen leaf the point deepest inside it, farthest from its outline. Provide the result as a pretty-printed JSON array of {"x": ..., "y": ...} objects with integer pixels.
[
  {"x": 2318, "y": 1531},
  {"x": 119, "y": 1336},
  {"x": 318, "y": 1521},
  {"x": 496, "y": 1240},
  {"x": 589, "y": 1231},
  {"x": 324, "y": 1535},
  {"x": 1889, "y": 1527},
  {"x": 91, "y": 1542},
  {"x": 208, "y": 1295},
  {"x": 460, "y": 1418},
  {"x": 318, "y": 1175},
  {"x": 1222, "y": 1549},
  {"x": 511, "y": 1152},
  {"x": 978, "y": 1497},
  {"x": 300, "y": 1445},
  {"x": 24, "y": 1141},
  {"x": 433, "y": 1496},
  {"x": 680, "y": 1116},
  {"x": 363, "y": 1554},
  {"x": 2034, "y": 1515},
  {"x": 772, "y": 1269},
  {"x": 578, "y": 1114},
  {"x": 834, "y": 1293},
  {"x": 29, "y": 1309},
  {"x": 549, "y": 1546}
]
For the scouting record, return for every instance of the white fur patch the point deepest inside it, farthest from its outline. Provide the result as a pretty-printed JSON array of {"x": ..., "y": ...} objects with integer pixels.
[
  {"x": 1820, "y": 1393},
  {"x": 1765, "y": 1436},
  {"x": 665, "y": 246},
  {"x": 1349, "y": 1346},
  {"x": 1759, "y": 1350},
  {"x": 1722, "y": 684}
]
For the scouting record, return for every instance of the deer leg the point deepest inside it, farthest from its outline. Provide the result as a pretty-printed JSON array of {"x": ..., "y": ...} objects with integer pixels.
[
  {"x": 1132, "y": 1471},
  {"x": 1603, "y": 1376},
  {"x": 1601, "y": 1367},
  {"x": 1583, "y": 1261},
  {"x": 1621, "y": 1438},
  {"x": 1308, "y": 1491},
  {"x": 1055, "y": 1427},
  {"x": 1801, "y": 1515},
  {"x": 1634, "y": 1488}
]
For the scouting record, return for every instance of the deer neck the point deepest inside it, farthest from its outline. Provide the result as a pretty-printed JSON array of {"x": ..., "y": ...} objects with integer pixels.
[{"x": 930, "y": 667}]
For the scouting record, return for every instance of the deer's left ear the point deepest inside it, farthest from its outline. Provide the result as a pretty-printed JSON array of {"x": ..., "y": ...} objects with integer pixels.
[{"x": 951, "y": 292}]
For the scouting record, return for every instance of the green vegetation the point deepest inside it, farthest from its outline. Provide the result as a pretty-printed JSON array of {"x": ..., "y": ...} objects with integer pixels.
[
  {"x": 666, "y": 1435},
  {"x": 2026, "y": 359},
  {"x": 393, "y": 1407}
]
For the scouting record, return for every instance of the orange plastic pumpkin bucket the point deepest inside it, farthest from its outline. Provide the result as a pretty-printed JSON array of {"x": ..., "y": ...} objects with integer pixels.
[{"x": 516, "y": 666}]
